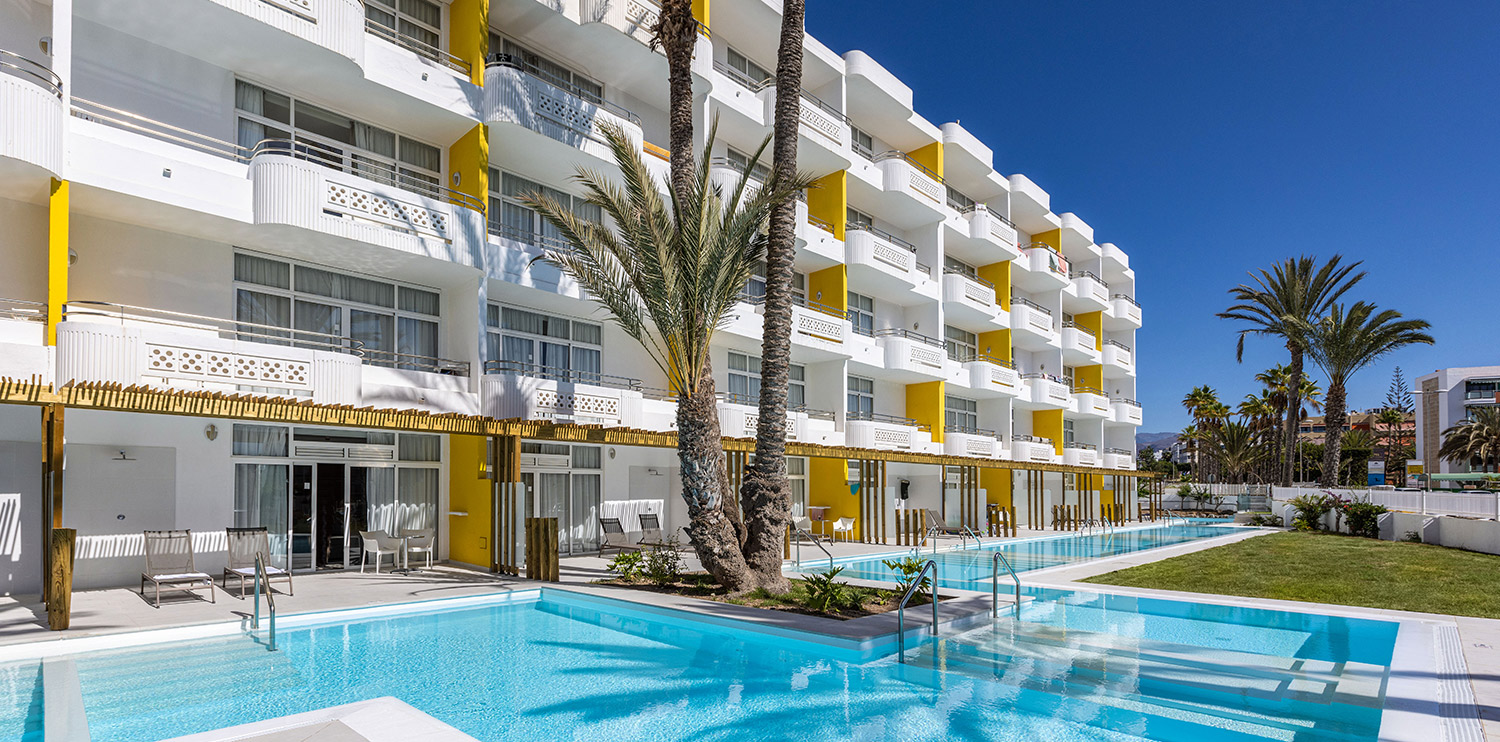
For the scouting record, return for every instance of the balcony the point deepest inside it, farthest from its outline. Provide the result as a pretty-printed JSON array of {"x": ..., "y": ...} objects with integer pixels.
[
  {"x": 1042, "y": 268},
  {"x": 960, "y": 440},
  {"x": 518, "y": 96},
  {"x": 988, "y": 374},
  {"x": 31, "y": 129},
  {"x": 1126, "y": 411},
  {"x": 1089, "y": 293},
  {"x": 1123, "y": 314},
  {"x": 1115, "y": 259},
  {"x": 823, "y": 129},
  {"x": 334, "y": 191},
  {"x": 814, "y": 326},
  {"x": 911, "y": 356},
  {"x": 890, "y": 432},
  {"x": 1079, "y": 345},
  {"x": 1118, "y": 359},
  {"x": 1117, "y": 458},
  {"x": 1091, "y": 402},
  {"x": 532, "y": 392},
  {"x": 1031, "y": 324},
  {"x": 1080, "y": 454},
  {"x": 919, "y": 196},
  {"x": 969, "y": 298},
  {"x": 1048, "y": 391},
  {"x": 883, "y": 263},
  {"x": 739, "y": 417},
  {"x": 23, "y": 329},
  {"x": 993, "y": 229},
  {"x": 1032, "y": 448}
]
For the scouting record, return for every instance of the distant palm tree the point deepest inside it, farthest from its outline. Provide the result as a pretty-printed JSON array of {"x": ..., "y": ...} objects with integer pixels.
[
  {"x": 1343, "y": 343},
  {"x": 1199, "y": 402},
  {"x": 669, "y": 277},
  {"x": 1261, "y": 414},
  {"x": 1238, "y": 448},
  {"x": 1355, "y": 449},
  {"x": 1475, "y": 441},
  {"x": 1280, "y": 303}
]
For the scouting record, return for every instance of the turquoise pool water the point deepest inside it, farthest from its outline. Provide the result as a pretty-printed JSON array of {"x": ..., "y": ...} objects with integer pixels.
[
  {"x": 1079, "y": 666},
  {"x": 971, "y": 569}
]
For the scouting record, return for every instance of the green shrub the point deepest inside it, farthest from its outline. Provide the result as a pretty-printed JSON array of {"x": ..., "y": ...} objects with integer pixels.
[
  {"x": 1265, "y": 520},
  {"x": 1363, "y": 518},
  {"x": 1310, "y": 511},
  {"x": 1412, "y": 537},
  {"x": 906, "y": 572},
  {"x": 628, "y": 565},
  {"x": 663, "y": 563},
  {"x": 824, "y": 593}
]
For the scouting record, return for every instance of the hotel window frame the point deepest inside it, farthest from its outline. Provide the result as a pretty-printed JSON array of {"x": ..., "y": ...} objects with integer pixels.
[
  {"x": 585, "y": 357},
  {"x": 960, "y": 412},
  {"x": 407, "y": 23},
  {"x": 963, "y": 348},
  {"x": 507, "y": 210},
  {"x": 744, "y": 381},
  {"x": 861, "y": 313},
  {"x": 860, "y": 401}
]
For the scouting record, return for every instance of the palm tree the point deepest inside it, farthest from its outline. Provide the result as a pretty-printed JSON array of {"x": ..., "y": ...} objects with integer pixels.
[
  {"x": 676, "y": 32},
  {"x": 1280, "y": 304},
  {"x": 669, "y": 279},
  {"x": 1344, "y": 342},
  {"x": 1355, "y": 448},
  {"x": 1392, "y": 421},
  {"x": 1237, "y": 447},
  {"x": 1475, "y": 440},
  {"x": 765, "y": 492},
  {"x": 1198, "y": 401},
  {"x": 1263, "y": 416}
]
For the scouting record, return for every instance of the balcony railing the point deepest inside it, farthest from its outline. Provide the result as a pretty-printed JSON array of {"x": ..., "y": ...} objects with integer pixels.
[
  {"x": 564, "y": 86},
  {"x": 568, "y": 375},
  {"x": 909, "y": 335},
  {"x": 968, "y": 430},
  {"x": 993, "y": 215},
  {"x": 420, "y": 48},
  {"x": 1118, "y": 451},
  {"x": 527, "y": 236},
  {"x": 1088, "y": 274},
  {"x": 1089, "y": 390},
  {"x": 19, "y": 66},
  {"x": 1030, "y": 304},
  {"x": 1118, "y": 344},
  {"x": 1125, "y": 401},
  {"x": 25, "y": 311},
  {"x": 1078, "y": 328},
  {"x": 882, "y": 234},
  {"x": 951, "y": 271},
  {"x": 1080, "y": 446},
  {"x": 1023, "y": 438},
  {"x": 354, "y": 164},
  {"x": 880, "y": 417},
  {"x": 973, "y": 357},
  {"x": 1058, "y": 266},
  {"x": 812, "y": 414},
  {"x": 1049, "y": 377},
  {"x": 1126, "y": 297},
  {"x": 120, "y": 119},
  {"x": 822, "y": 224},
  {"x": 797, "y": 300},
  {"x": 896, "y": 154},
  {"x": 744, "y": 80},
  {"x": 749, "y": 400}
]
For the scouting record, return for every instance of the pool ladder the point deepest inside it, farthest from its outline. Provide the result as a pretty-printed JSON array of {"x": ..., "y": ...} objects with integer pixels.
[
  {"x": 800, "y": 531},
  {"x": 995, "y": 562},
  {"x": 260, "y": 574},
  {"x": 967, "y": 533},
  {"x": 916, "y": 583}
]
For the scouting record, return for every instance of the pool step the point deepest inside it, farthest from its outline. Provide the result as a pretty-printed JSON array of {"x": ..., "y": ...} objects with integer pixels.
[
  {"x": 21, "y": 702},
  {"x": 1263, "y": 696},
  {"x": 237, "y": 664}
]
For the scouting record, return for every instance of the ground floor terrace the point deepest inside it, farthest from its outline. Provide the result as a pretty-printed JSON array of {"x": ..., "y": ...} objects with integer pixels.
[{"x": 113, "y": 462}]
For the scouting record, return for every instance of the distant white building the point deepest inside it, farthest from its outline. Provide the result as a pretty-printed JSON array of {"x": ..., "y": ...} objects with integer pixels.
[{"x": 1445, "y": 397}]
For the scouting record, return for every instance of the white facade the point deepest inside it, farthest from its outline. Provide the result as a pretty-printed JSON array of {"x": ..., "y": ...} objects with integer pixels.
[
  {"x": 285, "y": 198},
  {"x": 1445, "y": 397}
]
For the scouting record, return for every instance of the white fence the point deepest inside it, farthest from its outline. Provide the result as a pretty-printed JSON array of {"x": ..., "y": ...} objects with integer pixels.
[
  {"x": 1240, "y": 497},
  {"x": 1473, "y": 505}
]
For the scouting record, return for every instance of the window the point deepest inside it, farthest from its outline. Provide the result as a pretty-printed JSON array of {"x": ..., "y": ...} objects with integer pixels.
[
  {"x": 744, "y": 381},
  {"x": 393, "y": 324},
  {"x": 750, "y": 74},
  {"x": 1067, "y": 431},
  {"x": 415, "y": 19},
  {"x": 796, "y": 475},
  {"x": 510, "y": 217},
  {"x": 953, "y": 265},
  {"x": 862, "y": 313},
  {"x": 962, "y": 345},
  {"x": 259, "y": 440},
  {"x": 334, "y": 140},
  {"x": 741, "y": 161},
  {"x": 548, "y": 71},
  {"x": 959, "y": 201},
  {"x": 541, "y": 345},
  {"x": 855, "y": 216},
  {"x": 755, "y": 288},
  {"x": 419, "y": 447},
  {"x": 961, "y": 413},
  {"x": 864, "y": 144},
  {"x": 861, "y": 398}
]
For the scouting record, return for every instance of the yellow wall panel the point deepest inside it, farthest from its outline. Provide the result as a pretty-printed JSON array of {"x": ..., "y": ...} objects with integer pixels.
[
  {"x": 469, "y": 491},
  {"x": 1051, "y": 237},
  {"x": 1089, "y": 376},
  {"x": 828, "y": 199},
  {"x": 931, "y": 156},
  {"x": 996, "y": 344},
  {"x": 469, "y": 37},
  {"x": 926, "y": 404},
  {"x": 1048, "y": 424},
  {"x": 470, "y": 158},
  {"x": 828, "y": 487},
  {"x": 829, "y": 287},
  {"x": 998, "y": 274},
  {"x": 997, "y": 486},
  {"x": 57, "y": 256},
  {"x": 1094, "y": 322},
  {"x": 701, "y": 12}
]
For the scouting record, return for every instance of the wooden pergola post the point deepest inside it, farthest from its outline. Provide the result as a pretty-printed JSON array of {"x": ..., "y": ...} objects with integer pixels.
[{"x": 506, "y": 493}]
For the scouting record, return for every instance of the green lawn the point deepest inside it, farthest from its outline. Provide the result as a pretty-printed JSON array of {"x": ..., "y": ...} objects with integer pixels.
[{"x": 1325, "y": 568}]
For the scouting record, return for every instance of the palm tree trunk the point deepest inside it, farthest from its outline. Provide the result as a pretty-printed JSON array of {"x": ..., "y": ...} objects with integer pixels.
[
  {"x": 766, "y": 492},
  {"x": 1293, "y": 403},
  {"x": 700, "y": 452},
  {"x": 1334, "y": 416},
  {"x": 677, "y": 32}
]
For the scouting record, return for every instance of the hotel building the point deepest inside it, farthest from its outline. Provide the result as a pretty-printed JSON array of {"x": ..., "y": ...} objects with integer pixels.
[
  {"x": 248, "y": 242},
  {"x": 1445, "y": 397}
]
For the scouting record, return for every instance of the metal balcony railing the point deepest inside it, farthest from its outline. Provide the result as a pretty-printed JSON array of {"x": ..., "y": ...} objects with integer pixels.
[
  {"x": 354, "y": 164},
  {"x": 1124, "y": 400},
  {"x": 1080, "y": 446},
  {"x": 880, "y": 417},
  {"x": 1023, "y": 438},
  {"x": 1030, "y": 304},
  {"x": 882, "y": 234},
  {"x": 1119, "y": 452},
  {"x": 868, "y": 332},
  {"x": 1049, "y": 377},
  {"x": 822, "y": 224},
  {"x": 568, "y": 375},
  {"x": 1088, "y": 274},
  {"x": 814, "y": 414},
  {"x": 969, "y": 274},
  {"x": 25, "y": 311},
  {"x": 1117, "y": 344},
  {"x": 759, "y": 174},
  {"x": 563, "y": 86},
  {"x": 99, "y": 113},
  {"x": 968, "y": 430},
  {"x": 418, "y": 47},
  {"x": 972, "y": 357},
  {"x": 1079, "y": 389},
  {"x": 527, "y": 236},
  {"x": 1126, "y": 297},
  {"x": 909, "y": 335},
  {"x": 19, "y": 66},
  {"x": 896, "y": 154},
  {"x": 797, "y": 300},
  {"x": 744, "y": 80},
  {"x": 1067, "y": 323},
  {"x": 993, "y": 215}
]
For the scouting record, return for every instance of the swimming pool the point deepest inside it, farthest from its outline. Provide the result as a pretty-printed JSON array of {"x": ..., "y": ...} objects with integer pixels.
[
  {"x": 972, "y": 569},
  {"x": 555, "y": 664}
]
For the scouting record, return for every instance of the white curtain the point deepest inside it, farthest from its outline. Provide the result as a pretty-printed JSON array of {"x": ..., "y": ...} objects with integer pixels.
[
  {"x": 415, "y": 337},
  {"x": 380, "y": 500},
  {"x": 262, "y": 271},
  {"x": 259, "y": 440},
  {"x": 418, "y": 490},
  {"x": 260, "y": 500}
]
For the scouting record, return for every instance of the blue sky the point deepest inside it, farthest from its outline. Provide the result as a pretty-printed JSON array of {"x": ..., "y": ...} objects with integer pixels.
[{"x": 1207, "y": 139}]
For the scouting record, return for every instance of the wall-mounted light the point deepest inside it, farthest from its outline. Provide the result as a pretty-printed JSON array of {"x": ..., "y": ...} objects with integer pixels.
[
  {"x": 45, "y": 44},
  {"x": 72, "y": 256},
  {"x": 457, "y": 178},
  {"x": 211, "y": 432},
  {"x": 611, "y": 452},
  {"x": 166, "y": 172}
]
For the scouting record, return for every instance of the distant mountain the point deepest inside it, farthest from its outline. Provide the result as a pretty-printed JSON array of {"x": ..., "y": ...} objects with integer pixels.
[{"x": 1158, "y": 441}]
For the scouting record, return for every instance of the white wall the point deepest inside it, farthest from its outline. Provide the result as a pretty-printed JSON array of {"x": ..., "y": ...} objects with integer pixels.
[
  {"x": 20, "y": 517},
  {"x": 126, "y": 264},
  {"x": 158, "y": 83},
  {"x": 25, "y": 24}
]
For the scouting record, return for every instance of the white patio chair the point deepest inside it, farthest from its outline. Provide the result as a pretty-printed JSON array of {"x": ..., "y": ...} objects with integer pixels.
[
  {"x": 244, "y": 544},
  {"x": 844, "y": 526},
  {"x": 378, "y": 543},
  {"x": 419, "y": 541},
  {"x": 169, "y": 565}
]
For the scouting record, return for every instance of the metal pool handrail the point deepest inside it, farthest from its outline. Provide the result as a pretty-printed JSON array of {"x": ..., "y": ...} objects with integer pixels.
[
  {"x": 966, "y": 532},
  {"x": 995, "y": 585},
  {"x": 916, "y": 584},
  {"x": 260, "y": 574},
  {"x": 810, "y": 537}
]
